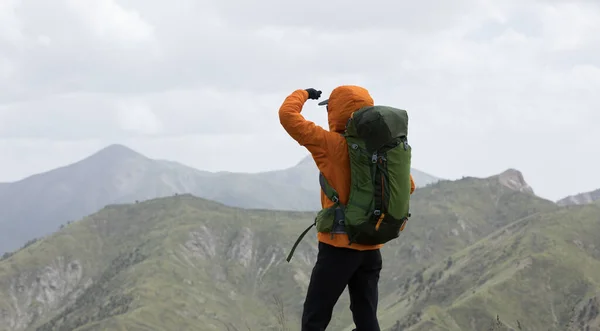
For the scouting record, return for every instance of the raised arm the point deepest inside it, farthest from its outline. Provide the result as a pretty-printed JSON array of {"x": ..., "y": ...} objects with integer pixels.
[{"x": 305, "y": 132}]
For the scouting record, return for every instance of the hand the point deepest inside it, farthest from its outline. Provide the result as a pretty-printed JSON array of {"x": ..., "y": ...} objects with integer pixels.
[{"x": 313, "y": 94}]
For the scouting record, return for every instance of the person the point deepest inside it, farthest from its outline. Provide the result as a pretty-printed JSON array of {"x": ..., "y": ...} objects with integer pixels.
[{"x": 338, "y": 264}]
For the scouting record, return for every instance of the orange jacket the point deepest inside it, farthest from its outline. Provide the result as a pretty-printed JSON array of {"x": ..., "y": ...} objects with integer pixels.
[{"x": 328, "y": 148}]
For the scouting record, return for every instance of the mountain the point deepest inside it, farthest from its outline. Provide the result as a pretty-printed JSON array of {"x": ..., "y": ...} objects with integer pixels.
[
  {"x": 538, "y": 273},
  {"x": 38, "y": 205},
  {"x": 580, "y": 199},
  {"x": 423, "y": 179},
  {"x": 475, "y": 248}
]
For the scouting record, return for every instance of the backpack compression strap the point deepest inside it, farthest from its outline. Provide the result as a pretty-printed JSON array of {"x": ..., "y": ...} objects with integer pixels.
[
  {"x": 332, "y": 195},
  {"x": 329, "y": 191}
]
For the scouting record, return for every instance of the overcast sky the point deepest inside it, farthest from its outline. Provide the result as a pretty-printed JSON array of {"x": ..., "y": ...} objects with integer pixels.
[{"x": 488, "y": 85}]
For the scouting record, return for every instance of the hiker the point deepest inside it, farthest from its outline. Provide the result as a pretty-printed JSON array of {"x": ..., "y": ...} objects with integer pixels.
[{"x": 339, "y": 262}]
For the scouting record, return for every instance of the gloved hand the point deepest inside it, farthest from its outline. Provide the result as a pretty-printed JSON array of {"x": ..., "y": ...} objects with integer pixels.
[{"x": 313, "y": 94}]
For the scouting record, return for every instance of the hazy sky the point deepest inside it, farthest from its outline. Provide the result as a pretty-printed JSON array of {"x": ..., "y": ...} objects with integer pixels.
[{"x": 489, "y": 85}]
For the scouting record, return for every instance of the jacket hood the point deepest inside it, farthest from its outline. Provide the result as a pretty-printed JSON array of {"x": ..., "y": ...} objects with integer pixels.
[{"x": 343, "y": 101}]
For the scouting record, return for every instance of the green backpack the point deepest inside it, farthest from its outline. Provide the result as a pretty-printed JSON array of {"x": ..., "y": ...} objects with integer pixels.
[{"x": 380, "y": 157}]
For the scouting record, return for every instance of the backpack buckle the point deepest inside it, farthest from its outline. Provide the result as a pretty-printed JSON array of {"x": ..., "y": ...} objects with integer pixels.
[{"x": 376, "y": 212}]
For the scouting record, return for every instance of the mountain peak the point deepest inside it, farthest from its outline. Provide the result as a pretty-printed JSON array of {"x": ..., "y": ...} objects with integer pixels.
[
  {"x": 108, "y": 157},
  {"x": 116, "y": 151},
  {"x": 514, "y": 180},
  {"x": 117, "y": 148}
]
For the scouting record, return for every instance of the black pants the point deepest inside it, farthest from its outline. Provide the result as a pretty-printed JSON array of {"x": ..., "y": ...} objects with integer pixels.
[{"x": 335, "y": 268}]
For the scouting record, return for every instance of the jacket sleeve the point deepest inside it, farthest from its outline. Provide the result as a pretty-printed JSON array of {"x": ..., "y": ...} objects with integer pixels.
[
  {"x": 305, "y": 132},
  {"x": 412, "y": 184}
]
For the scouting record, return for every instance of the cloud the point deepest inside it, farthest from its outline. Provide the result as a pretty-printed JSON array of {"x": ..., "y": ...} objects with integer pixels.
[
  {"x": 107, "y": 19},
  {"x": 488, "y": 84},
  {"x": 138, "y": 118},
  {"x": 10, "y": 25},
  {"x": 339, "y": 15}
]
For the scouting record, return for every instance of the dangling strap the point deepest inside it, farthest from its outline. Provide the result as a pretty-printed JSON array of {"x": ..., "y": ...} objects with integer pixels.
[
  {"x": 300, "y": 239},
  {"x": 332, "y": 195}
]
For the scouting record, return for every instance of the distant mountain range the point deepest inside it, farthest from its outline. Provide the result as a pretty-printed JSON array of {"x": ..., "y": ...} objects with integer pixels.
[
  {"x": 478, "y": 254},
  {"x": 39, "y": 204},
  {"x": 580, "y": 199}
]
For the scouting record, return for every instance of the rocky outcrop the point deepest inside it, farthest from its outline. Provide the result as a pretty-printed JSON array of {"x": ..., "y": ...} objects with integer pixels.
[
  {"x": 514, "y": 180},
  {"x": 580, "y": 199},
  {"x": 34, "y": 294},
  {"x": 202, "y": 243},
  {"x": 242, "y": 248}
]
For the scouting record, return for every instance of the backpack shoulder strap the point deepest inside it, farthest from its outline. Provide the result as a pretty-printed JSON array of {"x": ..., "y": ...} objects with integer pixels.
[{"x": 329, "y": 191}]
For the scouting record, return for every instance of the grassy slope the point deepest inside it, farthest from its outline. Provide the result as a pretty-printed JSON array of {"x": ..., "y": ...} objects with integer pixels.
[
  {"x": 186, "y": 263},
  {"x": 450, "y": 216},
  {"x": 168, "y": 257},
  {"x": 536, "y": 271}
]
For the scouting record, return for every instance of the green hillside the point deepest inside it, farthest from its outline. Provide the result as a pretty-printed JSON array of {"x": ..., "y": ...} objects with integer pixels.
[
  {"x": 540, "y": 273},
  {"x": 170, "y": 264},
  {"x": 185, "y": 263}
]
